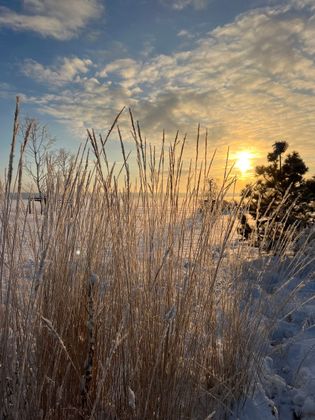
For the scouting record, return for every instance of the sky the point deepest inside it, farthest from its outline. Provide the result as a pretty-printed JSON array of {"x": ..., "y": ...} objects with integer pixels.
[{"x": 243, "y": 69}]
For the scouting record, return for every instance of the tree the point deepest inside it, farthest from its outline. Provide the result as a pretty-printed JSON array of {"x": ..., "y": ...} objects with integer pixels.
[
  {"x": 41, "y": 157},
  {"x": 279, "y": 147},
  {"x": 62, "y": 160},
  {"x": 209, "y": 199},
  {"x": 309, "y": 191},
  {"x": 280, "y": 187},
  {"x": 39, "y": 146}
]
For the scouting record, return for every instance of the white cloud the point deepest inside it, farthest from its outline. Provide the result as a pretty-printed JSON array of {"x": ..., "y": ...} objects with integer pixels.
[
  {"x": 60, "y": 19},
  {"x": 250, "y": 82},
  {"x": 6, "y": 91},
  {"x": 126, "y": 68},
  {"x": 185, "y": 34},
  {"x": 67, "y": 70},
  {"x": 181, "y": 4}
]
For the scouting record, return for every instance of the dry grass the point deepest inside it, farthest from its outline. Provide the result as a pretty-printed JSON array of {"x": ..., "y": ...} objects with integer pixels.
[{"x": 135, "y": 304}]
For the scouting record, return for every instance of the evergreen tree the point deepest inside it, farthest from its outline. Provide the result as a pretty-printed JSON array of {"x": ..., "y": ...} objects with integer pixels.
[
  {"x": 282, "y": 186},
  {"x": 279, "y": 147}
]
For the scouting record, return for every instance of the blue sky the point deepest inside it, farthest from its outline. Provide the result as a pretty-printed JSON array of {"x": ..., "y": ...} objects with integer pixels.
[{"x": 243, "y": 69}]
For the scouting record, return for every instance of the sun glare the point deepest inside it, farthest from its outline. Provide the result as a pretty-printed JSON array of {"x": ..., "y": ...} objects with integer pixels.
[{"x": 243, "y": 162}]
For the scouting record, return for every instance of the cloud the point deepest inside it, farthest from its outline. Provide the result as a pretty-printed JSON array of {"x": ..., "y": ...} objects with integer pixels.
[
  {"x": 126, "y": 68},
  {"x": 182, "y": 4},
  {"x": 6, "y": 91},
  {"x": 91, "y": 105},
  {"x": 249, "y": 83},
  {"x": 185, "y": 34},
  {"x": 52, "y": 18},
  {"x": 67, "y": 70}
]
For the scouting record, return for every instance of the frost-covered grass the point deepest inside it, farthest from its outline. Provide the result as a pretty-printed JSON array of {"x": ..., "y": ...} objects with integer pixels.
[{"x": 124, "y": 301}]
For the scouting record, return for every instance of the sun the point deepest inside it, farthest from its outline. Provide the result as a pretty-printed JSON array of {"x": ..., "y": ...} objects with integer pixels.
[{"x": 243, "y": 162}]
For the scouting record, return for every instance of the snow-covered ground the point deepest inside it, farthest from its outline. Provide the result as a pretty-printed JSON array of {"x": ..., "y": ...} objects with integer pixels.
[{"x": 285, "y": 388}]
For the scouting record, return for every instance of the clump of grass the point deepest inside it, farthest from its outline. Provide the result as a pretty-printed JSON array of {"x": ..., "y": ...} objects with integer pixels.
[{"x": 137, "y": 305}]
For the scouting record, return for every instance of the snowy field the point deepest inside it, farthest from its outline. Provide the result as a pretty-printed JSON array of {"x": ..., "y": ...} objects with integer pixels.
[
  {"x": 285, "y": 386},
  {"x": 285, "y": 389}
]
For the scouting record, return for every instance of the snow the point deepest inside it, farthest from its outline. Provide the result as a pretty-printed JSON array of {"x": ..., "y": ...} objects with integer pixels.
[{"x": 285, "y": 388}]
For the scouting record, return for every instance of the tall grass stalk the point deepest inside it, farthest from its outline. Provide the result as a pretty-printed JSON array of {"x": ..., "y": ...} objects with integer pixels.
[{"x": 124, "y": 300}]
